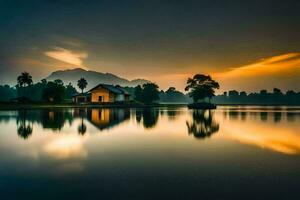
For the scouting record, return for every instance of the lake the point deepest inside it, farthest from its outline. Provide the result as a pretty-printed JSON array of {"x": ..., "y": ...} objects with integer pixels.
[{"x": 162, "y": 153}]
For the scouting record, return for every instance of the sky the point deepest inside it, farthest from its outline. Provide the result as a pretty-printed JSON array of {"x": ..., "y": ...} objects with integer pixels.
[{"x": 245, "y": 45}]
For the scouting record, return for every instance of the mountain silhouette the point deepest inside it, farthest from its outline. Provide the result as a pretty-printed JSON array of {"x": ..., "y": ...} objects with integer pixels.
[{"x": 93, "y": 78}]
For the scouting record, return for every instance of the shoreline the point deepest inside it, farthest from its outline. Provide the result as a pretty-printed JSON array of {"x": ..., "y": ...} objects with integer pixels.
[{"x": 17, "y": 106}]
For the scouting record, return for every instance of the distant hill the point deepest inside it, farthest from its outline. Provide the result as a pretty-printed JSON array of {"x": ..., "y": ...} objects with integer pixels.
[{"x": 93, "y": 78}]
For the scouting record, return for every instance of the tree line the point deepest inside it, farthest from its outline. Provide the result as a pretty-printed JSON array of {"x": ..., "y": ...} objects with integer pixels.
[
  {"x": 263, "y": 97},
  {"x": 26, "y": 90},
  {"x": 199, "y": 88}
]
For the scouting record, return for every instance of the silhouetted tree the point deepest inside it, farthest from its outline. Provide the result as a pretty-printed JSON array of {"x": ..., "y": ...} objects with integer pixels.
[
  {"x": 7, "y": 92},
  {"x": 150, "y": 93},
  {"x": 277, "y": 91},
  {"x": 25, "y": 79},
  {"x": 233, "y": 93},
  {"x": 173, "y": 95},
  {"x": 53, "y": 92},
  {"x": 70, "y": 91},
  {"x": 58, "y": 82},
  {"x": 147, "y": 94},
  {"x": 263, "y": 92},
  {"x": 263, "y": 97},
  {"x": 44, "y": 81},
  {"x": 243, "y": 94},
  {"x": 201, "y": 87},
  {"x": 82, "y": 83},
  {"x": 138, "y": 93}
]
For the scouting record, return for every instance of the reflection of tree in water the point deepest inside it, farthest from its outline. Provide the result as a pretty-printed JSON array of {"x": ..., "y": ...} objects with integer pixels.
[
  {"x": 55, "y": 119},
  {"x": 203, "y": 124},
  {"x": 243, "y": 115},
  {"x": 233, "y": 115},
  {"x": 277, "y": 117},
  {"x": 263, "y": 116},
  {"x": 149, "y": 116},
  {"x": 82, "y": 127},
  {"x": 172, "y": 114},
  {"x": 24, "y": 126},
  {"x": 138, "y": 116}
]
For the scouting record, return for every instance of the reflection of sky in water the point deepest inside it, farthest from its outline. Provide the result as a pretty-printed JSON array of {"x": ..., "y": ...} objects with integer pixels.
[
  {"x": 274, "y": 130},
  {"x": 149, "y": 142}
]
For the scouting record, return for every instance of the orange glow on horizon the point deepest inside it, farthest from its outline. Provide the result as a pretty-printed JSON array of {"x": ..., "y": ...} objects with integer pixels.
[{"x": 286, "y": 63}]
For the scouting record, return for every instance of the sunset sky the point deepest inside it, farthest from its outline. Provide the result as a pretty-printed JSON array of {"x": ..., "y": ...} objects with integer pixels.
[{"x": 246, "y": 45}]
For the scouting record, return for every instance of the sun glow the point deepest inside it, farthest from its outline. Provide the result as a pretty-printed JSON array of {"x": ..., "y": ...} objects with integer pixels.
[{"x": 66, "y": 147}]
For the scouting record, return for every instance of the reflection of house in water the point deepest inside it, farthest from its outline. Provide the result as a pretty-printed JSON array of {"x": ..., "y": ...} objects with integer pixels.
[{"x": 107, "y": 118}]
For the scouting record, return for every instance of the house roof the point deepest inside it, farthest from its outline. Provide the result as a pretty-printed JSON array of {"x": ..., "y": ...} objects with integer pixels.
[
  {"x": 81, "y": 94},
  {"x": 111, "y": 88},
  {"x": 122, "y": 89}
]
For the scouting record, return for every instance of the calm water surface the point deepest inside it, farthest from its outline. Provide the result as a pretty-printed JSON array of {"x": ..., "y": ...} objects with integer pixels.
[{"x": 165, "y": 153}]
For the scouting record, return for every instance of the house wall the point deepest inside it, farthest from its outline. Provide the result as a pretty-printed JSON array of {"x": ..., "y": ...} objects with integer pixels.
[
  {"x": 120, "y": 97},
  {"x": 112, "y": 97},
  {"x": 106, "y": 97},
  {"x": 79, "y": 99}
]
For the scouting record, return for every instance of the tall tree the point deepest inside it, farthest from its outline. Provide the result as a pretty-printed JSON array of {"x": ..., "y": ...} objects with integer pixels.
[
  {"x": 53, "y": 92},
  {"x": 138, "y": 93},
  {"x": 201, "y": 86},
  {"x": 82, "y": 83},
  {"x": 147, "y": 94},
  {"x": 70, "y": 91},
  {"x": 25, "y": 79}
]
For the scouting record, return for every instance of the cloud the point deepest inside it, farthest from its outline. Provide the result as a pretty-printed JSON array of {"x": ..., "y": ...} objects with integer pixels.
[
  {"x": 67, "y": 56},
  {"x": 267, "y": 72}
]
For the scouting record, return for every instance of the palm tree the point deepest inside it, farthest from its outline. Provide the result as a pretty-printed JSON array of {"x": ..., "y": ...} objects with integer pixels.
[
  {"x": 82, "y": 83},
  {"x": 24, "y": 79}
]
